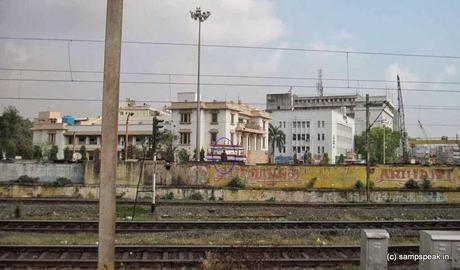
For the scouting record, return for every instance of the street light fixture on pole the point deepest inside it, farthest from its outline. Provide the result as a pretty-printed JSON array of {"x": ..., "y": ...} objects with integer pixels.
[{"x": 199, "y": 16}]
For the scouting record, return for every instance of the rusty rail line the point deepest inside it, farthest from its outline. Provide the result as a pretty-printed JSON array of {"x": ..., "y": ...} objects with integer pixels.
[
  {"x": 73, "y": 226},
  {"x": 187, "y": 257}
]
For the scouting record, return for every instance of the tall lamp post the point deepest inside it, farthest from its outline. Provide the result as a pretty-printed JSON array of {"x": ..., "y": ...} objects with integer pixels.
[
  {"x": 126, "y": 135},
  {"x": 199, "y": 16}
]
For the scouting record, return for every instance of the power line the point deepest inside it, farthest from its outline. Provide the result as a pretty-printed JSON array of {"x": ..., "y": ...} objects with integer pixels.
[
  {"x": 226, "y": 76},
  {"x": 237, "y": 85},
  {"x": 412, "y": 106},
  {"x": 230, "y": 46}
]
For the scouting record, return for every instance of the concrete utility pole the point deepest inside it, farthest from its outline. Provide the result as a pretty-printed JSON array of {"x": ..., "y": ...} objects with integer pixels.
[
  {"x": 110, "y": 96},
  {"x": 368, "y": 168},
  {"x": 199, "y": 16}
]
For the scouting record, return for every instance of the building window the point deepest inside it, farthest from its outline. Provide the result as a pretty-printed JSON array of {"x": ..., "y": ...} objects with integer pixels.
[
  {"x": 308, "y": 124},
  {"x": 322, "y": 123},
  {"x": 298, "y": 124},
  {"x": 232, "y": 119},
  {"x": 294, "y": 137},
  {"x": 319, "y": 150},
  {"x": 214, "y": 118},
  {"x": 294, "y": 124},
  {"x": 319, "y": 123},
  {"x": 303, "y": 124},
  {"x": 298, "y": 149},
  {"x": 213, "y": 137},
  {"x": 284, "y": 149},
  {"x": 81, "y": 140},
  {"x": 308, "y": 148},
  {"x": 303, "y": 137},
  {"x": 308, "y": 137},
  {"x": 303, "y": 148},
  {"x": 322, "y": 149},
  {"x": 281, "y": 124},
  {"x": 185, "y": 118},
  {"x": 322, "y": 136},
  {"x": 185, "y": 138},
  {"x": 92, "y": 139},
  {"x": 284, "y": 124},
  {"x": 319, "y": 137},
  {"x": 298, "y": 137},
  {"x": 294, "y": 149},
  {"x": 52, "y": 138}
]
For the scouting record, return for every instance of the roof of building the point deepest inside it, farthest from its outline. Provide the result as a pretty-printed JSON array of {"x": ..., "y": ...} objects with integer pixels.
[{"x": 221, "y": 105}]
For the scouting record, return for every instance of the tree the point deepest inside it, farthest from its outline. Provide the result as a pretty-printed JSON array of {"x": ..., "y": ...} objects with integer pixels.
[
  {"x": 276, "y": 138},
  {"x": 82, "y": 152},
  {"x": 37, "y": 152},
  {"x": 295, "y": 159},
  {"x": 202, "y": 155},
  {"x": 307, "y": 159},
  {"x": 53, "y": 153},
  {"x": 67, "y": 154},
  {"x": 166, "y": 148},
  {"x": 324, "y": 159},
  {"x": 15, "y": 130},
  {"x": 183, "y": 155},
  {"x": 341, "y": 159},
  {"x": 392, "y": 139},
  {"x": 10, "y": 149}
]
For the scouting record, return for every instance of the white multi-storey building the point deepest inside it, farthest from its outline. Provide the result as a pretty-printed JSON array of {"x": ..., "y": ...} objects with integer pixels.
[
  {"x": 382, "y": 111},
  {"x": 222, "y": 122},
  {"x": 314, "y": 131},
  {"x": 68, "y": 132}
]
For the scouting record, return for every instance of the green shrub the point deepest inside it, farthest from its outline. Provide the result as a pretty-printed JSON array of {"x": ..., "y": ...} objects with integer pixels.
[
  {"x": 371, "y": 185},
  {"x": 53, "y": 153},
  {"x": 236, "y": 182},
  {"x": 196, "y": 196},
  {"x": 25, "y": 179},
  {"x": 168, "y": 196},
  {"x": 411, "y": 184},
  {"x": 359, "y": 185},
  {"x": 37, "y": 152},
  {"x": 67, "y": 154},
  {"x": 63, "y": 181},
  {"x": 426, "y": 184}
]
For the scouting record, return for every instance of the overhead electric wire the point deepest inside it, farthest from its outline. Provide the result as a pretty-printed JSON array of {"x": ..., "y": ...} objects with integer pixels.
[
  {"x": 412, "y": 106},
  {"x": 235, "y": 85},
  {"x": 232, "y": 46},
  {"x": 225, "y": 76}
]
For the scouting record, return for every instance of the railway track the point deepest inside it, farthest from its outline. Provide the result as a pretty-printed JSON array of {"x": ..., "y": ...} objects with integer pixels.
[
  {"x": 186, "y": 257},
  {"x": 162, "y": 226},
  {"x": 169, "y": 203}
]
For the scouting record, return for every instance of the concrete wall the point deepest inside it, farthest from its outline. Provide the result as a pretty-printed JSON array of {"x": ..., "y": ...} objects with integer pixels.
[
  {"x": 254, "y": 176},
  {"x": 47, "y": 172},
  {"x": 308, "y": 196}
]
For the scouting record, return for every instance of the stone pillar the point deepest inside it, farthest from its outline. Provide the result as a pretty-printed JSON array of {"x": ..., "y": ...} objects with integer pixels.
[{"x": 374, "y": 249}]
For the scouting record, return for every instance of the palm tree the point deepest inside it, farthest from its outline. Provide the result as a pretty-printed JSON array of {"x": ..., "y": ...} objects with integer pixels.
[{"x": 276, "y": 137}]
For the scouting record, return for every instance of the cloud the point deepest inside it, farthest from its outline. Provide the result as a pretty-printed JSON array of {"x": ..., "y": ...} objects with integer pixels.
[
  {"x": 345, "y": 35},
  {"x": 404, "y": 73}
]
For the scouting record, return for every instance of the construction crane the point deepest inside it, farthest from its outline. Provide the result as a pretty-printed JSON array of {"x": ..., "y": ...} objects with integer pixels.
[
  {"x": 427, "y": 155},
  {"x": 402, "y": 124}
]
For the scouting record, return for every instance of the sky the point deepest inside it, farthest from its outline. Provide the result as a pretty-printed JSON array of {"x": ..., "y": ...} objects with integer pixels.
[{"x": 411, "y": 27}]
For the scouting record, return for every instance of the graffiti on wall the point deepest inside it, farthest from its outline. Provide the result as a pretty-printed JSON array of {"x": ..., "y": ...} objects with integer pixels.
[
  {"x": 416, "y": 173},
  {"x": 264, "y": 175}
]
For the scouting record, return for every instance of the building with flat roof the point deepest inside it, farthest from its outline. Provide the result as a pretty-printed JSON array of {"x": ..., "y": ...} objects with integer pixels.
[
  {"x": 52, "y": 128},
  {"x": 222, "y": 123},
  {"x": 382, "y": 110}
]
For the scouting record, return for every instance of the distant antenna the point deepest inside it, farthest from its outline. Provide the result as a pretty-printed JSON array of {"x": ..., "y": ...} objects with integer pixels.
[{"x": 319, "y": 84}]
